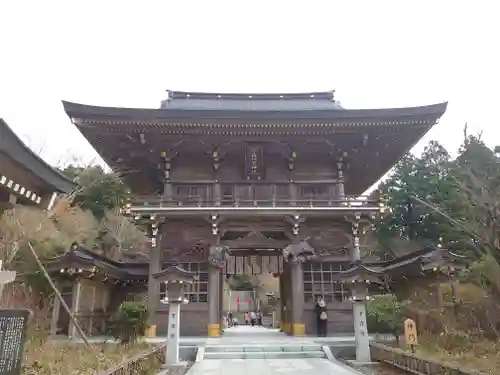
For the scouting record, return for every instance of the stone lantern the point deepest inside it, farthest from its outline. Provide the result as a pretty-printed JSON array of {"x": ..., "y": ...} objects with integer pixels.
[
  {"x": 361, "y": 281},
  {"x": 176, "y": 279}
]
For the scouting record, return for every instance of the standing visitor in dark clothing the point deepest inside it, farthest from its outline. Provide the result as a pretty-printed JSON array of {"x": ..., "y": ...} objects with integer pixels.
[
  {"x": 259, "y": 318},
  {"x": 321, "y": 317}
]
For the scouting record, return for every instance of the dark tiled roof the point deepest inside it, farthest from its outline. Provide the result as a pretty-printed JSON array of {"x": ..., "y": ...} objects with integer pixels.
[
  {"x": 89, "y": 112},
  {"x": 79, "y": 257},
  {"x": 11, "y": 145},
  {"x": 392, "y": 132},
  {"x": 177, "y": 273},
  {"x": 408, "y": 265},
  {"x": 250, "y": 102}
]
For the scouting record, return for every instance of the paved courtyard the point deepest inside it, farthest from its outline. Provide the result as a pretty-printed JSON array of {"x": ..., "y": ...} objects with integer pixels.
[{"x": 246, "y": 336}]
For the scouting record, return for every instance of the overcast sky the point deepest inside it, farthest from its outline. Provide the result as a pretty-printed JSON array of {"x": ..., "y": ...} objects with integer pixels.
[{"x": 127, "y": 53}]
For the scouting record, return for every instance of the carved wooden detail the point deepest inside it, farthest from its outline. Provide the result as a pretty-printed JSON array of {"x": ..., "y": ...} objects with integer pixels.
[
  {"x": 333, "y": 241},
  {"x": 218, "y": 255},
  {"x": 299, "y": 252},
  {"x": 255, "y": 240},
  {"x": 186, "y": 243}
]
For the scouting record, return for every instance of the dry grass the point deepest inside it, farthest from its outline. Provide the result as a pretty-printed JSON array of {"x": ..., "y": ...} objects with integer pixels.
[
  {"x": 483, "y": 356},
  {"x": 52, "y": 358}
]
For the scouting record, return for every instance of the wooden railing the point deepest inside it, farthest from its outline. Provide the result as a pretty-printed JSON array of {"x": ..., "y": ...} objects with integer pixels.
[
  {"x": 139, "y": 364},
  {"x": 202, "y": 194},
  {"x": 416, "y": 363}
]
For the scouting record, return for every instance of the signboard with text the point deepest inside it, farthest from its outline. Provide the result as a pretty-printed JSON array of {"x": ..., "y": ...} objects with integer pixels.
[
  {"x": 13, "y": 324},
  {"x": 410, "y": 333},
  {"x": 254, "y": 164}
]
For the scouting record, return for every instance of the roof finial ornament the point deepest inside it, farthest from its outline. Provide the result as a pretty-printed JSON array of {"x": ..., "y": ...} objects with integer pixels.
[{"x": 164, "y": 103}]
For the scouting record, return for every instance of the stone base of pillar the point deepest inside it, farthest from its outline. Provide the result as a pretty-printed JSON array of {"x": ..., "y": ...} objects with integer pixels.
[
  {"x": 361, "y": 333},
  {"x": 174, "y": 313},
  {"x": 213, "y": 330},
  {"x": 298, "y": 329}
]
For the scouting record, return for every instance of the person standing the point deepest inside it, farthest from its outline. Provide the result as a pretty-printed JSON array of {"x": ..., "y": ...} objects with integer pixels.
[
  {"x": 253, "y": 318},
  {"x": 259, "y": 318},
  {"x": 230, "y": 318},
  {"x": 321, "y": 317},
  {"x": 246, "y": 317}
]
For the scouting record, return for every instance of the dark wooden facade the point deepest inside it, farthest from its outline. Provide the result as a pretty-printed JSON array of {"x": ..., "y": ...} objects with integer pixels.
[
  {"x": 24, "y": 177},
  {"x": 94, "y": 286},
  {"x": 253, "y": 173}
]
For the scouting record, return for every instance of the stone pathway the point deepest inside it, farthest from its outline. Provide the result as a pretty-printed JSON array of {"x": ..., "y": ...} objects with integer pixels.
[
  {"x": 313, "y": 366},
  {"x": 250, "y": 336}
]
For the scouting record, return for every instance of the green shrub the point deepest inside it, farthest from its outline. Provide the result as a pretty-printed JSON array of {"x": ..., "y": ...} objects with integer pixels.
[
  {"x": 130, "y": 321},
  {"x": 384, "y": 314}
]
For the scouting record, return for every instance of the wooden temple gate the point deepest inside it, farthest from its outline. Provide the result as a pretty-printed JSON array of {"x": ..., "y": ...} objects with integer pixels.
[{"x": 290, "y": 163}]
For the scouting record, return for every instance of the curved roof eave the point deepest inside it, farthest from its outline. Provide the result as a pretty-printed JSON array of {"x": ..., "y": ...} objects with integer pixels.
[
  {"x": 13, "y": 146},
  {"x": 83, "y": 111}
]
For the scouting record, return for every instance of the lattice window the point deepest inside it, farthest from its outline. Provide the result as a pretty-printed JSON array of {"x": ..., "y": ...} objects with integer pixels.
[
  {"x": 318, "y": 282},
  {"x": 194, "y": 192},
  {"x": 314, "y": 191},
  {"x": 198, "y": 291}
]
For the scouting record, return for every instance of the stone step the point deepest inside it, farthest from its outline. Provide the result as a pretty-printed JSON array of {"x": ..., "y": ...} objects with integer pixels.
[
  {"x": 264, "y": 355},
  {"x": 270, "y": 348}
]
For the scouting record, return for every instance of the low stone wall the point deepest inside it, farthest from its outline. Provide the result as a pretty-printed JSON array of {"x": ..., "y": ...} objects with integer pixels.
[
  {"x": 414, "y": 363},
  {"x": 138, "y": 364}
]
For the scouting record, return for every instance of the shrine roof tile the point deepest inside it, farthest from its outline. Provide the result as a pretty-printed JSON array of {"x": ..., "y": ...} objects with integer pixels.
[
  {"x": 271, "y": 110},
  {"x": 17, "y": 150}
]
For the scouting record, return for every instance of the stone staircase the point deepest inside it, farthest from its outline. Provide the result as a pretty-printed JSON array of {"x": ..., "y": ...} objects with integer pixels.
[{"x": 263, "y": 351}]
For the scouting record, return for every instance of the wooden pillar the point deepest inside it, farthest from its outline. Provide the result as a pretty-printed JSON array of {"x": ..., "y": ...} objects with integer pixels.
[
  {"x": 56, "y": 309},
  {"x": 282, "y": 300},
  {"x": 92, "y": 309},
  {"x": 292, "y": 191},
  {"x": 75, "y": 307},
  {"x": 167, "y": 185},
  {"x": 213, "y": 301},
  {"x": 214, "y": 281},
  {"x": 287, "y": 299},
  {"x": 217, "y": 194},
  {"x": 340, "y": 183},
  {"x": 297, "y": 277}
]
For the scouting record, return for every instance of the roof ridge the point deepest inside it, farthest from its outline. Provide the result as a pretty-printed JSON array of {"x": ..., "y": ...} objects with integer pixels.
[{"x": 323, "y": 95}]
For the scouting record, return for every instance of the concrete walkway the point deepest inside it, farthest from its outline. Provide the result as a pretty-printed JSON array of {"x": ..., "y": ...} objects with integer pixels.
[
  {"x": 312, "y": 366},
  {"x": 245, "y": 336}
]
